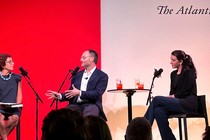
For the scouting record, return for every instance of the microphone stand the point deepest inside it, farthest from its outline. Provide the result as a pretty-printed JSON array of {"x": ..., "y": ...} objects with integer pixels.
[
  {"x": 150, "y": 91},
  {"x": 157, "y": 73},
  {"x": 37, "y": 99},
  {"x": 56, "y": 106}
]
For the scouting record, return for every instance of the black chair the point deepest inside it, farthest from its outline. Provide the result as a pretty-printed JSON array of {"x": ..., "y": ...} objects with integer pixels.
[
  {"x": 202, "y": 113},
  {"x": 18, "y": 131}
]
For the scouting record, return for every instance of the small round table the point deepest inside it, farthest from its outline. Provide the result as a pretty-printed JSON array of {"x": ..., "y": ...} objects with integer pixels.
[{"x": 129, "y": 93}]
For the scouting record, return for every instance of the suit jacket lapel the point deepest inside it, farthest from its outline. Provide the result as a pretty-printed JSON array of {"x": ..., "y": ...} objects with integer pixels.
[{"x": 92, "y": 78}]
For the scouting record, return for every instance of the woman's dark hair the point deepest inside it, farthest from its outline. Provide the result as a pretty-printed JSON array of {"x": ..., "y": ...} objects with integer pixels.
[
  {"x": 187, "y": 60},
  {"x": 3, "y": 58}
]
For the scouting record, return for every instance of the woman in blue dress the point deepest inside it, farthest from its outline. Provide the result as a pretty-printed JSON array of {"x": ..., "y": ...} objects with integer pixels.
[{"x": 10, "y": 92}]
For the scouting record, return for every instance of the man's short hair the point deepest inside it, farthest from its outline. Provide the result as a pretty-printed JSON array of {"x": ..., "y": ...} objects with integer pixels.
[
  {"x": 94, "y": 54},
  {"x": 139, "y": 129},
  {"x": 64, "y": 124}
]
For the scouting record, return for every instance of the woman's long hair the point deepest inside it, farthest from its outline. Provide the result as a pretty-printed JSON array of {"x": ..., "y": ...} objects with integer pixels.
[{"x": 187, "y": 60}]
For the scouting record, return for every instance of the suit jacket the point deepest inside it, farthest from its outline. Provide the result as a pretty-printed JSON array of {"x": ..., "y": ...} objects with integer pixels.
[
  {"x": 183, "y": 86},
  {"x": 96, "y": 86}
]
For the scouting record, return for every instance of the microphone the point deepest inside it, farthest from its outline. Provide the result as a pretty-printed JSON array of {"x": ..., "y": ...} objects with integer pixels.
[
  {"x": 24, "y": 72},
  {"x": 73, "y": 72},
  {"x": 157, "y": 73}
]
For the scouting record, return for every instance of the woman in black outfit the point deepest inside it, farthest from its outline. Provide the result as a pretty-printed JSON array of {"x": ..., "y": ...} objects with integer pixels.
[
  {"x": 182, "y": 97},
  {"x": 10, "y": 92}
]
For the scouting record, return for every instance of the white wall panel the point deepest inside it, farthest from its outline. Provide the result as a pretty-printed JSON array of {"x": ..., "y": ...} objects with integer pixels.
[{"x": 136, "y": 39}]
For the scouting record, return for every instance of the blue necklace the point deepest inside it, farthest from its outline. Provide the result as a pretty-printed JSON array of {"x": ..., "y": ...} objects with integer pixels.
[{"x": 6, "y": 79}]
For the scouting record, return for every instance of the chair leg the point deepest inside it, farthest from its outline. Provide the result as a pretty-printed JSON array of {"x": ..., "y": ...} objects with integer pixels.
[
  {"x": 185, "y": 128},
  {"x": 206, "y": 121},
  {"x": 18, "y": 131},
  {"x": 180, "y": 128}
]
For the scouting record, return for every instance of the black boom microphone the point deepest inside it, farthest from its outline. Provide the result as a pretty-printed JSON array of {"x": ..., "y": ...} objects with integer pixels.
[
  {"x": 158, "y": 72},
  {"x": 24, "y": 72},
  {"x": 75, "y": 70}
]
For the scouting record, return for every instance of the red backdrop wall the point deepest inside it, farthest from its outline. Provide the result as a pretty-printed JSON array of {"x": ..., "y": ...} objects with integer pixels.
[{"x": 47, "y": 38}]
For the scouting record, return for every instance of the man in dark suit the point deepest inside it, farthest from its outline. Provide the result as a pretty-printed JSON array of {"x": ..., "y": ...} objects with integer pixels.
[{"x": 87, "y": 88}]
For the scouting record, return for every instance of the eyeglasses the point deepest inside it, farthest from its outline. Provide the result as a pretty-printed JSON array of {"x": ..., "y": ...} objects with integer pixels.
[
  {"x": 84, "y": 57},
  {"x": 11, "y": 62}
]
